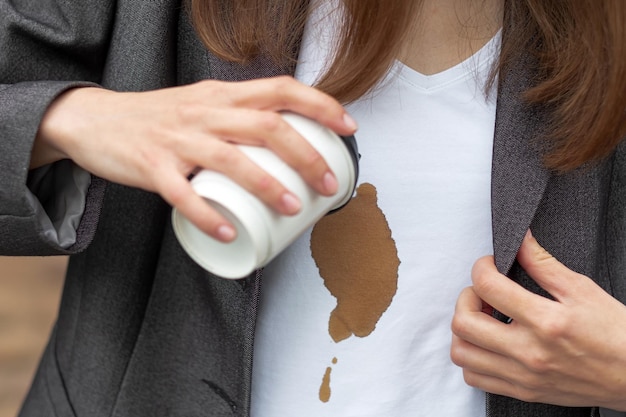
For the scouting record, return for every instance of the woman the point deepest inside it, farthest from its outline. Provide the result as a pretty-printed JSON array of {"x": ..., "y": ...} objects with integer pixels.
[{"x": 143, "y": 330}]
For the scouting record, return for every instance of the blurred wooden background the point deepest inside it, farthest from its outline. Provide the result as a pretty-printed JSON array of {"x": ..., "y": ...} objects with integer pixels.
[{"x": 30, "y": 289}]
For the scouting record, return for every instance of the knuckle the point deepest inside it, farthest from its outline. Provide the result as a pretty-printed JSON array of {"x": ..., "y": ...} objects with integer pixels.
[
  {"x": 554, "y": 326},
  {"x": 481, "y": 265},
  {"x": 470, "y": 379},
  {"x": 476, "y": 268},
  {"x": 264, "y": 181},
  {"x": 149, "y": 159},
  {"x": 457, "y": 355},
  {"x": 458, "y": 325},
  {"x": 224, "y": 156},
  {"x": 281, "y": 86},
  {"x": 271, "y": 122},
  {"x": 216, "y": 91},
  {"x": 313, "y": 158},
  {"x": 283, "y": 81},
  {"x": 527, "y": 386},
  {"x": 538, "y": 362},
  {"x": 150, "y": 163},
  {"x": 176, "y": 196},
  {"x": 212, "y": 86},
  {"x": 186, "y": 111},
  {"x": 168, "y": 139},
  {"x": 483, "y": 285},
  {"x": 526, "y": 395}
]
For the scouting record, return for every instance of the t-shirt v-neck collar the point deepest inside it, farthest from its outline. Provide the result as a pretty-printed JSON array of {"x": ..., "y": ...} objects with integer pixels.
[{"x": 469, "y": 67}]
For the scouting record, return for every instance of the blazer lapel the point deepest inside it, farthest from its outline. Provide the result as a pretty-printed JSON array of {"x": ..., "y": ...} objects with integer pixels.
[
  {"x": 260, "y": 67},
  {"x": 200, "y": 64},
  {"x": 518, "y": 176}
]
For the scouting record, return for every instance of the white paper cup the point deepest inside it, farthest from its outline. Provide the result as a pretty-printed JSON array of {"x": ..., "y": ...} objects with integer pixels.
[{"x": 262, "y": 233}]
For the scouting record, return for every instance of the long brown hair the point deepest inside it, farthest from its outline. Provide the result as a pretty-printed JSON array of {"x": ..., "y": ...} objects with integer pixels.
[{"x": 580, "y": 46}]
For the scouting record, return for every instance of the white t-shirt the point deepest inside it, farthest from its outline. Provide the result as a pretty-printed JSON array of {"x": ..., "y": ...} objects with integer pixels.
[{"x": 355, "y": 316}]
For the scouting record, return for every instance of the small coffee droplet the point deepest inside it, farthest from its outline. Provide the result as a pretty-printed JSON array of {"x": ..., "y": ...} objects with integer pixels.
[{"x": 325, "y": 387}]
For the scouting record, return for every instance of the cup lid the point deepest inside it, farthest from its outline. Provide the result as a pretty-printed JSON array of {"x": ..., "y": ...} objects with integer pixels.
[{"x": 355, "y": 156}]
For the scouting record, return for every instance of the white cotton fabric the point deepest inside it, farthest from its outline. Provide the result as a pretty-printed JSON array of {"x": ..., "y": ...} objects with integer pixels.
[{"x": 426, "y": 146}]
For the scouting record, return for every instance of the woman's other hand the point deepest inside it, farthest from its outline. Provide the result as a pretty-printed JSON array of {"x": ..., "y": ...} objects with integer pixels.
[{"x": 568, "y": 351}]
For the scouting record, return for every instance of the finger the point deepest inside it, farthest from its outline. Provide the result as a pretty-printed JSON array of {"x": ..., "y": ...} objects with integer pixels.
[
  {"x": 269, "y": 129},
  {"x": 469, "y": 302},
  {"x": 470, "y": 324},
  {"x": 545, "y": 269},
  {"x": 233, "y": 163},
  {"x": 504, "y": 294},
  {"x": 285, "y": 93},
  {"x": 177, "y": 191},
  {"x": 494, "y": 385},
  {"x": 475, "y": 359},
  {"x": 526, "y": 388},
  {"x": 486, "y": 370}
]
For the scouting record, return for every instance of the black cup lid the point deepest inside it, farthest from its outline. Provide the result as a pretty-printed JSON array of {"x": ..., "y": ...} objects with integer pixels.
[{"x": 353, "y": 150}]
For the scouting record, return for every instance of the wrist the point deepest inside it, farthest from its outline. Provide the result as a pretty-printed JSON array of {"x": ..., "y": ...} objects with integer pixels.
[{"x": 58, "y": 125}]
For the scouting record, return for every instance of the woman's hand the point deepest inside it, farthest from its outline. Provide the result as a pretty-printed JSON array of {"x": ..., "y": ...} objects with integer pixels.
[
  {"x": 570, "y": 351},
  {"x": 154, "y": 140}
]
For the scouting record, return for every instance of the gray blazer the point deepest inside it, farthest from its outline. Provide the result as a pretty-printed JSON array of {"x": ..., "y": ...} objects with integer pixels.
[{"x": 142, "y": 330}]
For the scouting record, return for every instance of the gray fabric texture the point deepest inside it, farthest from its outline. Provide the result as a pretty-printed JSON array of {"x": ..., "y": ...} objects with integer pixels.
[{"x": 142, "y": 330}]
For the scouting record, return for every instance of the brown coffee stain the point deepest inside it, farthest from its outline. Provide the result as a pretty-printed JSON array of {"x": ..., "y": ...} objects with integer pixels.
[
  {"x": 358, "y": 260},
  {"x": 325, "y": 387}
]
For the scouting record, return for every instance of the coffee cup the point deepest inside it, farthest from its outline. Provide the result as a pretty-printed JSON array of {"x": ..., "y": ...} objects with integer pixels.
[{"x": 262, "y": 233}]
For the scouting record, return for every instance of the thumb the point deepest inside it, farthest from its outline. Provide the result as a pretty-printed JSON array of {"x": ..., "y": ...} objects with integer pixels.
[{"x": 545, "y": 269}]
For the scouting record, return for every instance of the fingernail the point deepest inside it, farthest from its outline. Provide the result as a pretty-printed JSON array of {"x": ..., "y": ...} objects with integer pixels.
[
  {"x": 349, "y": 122},
  {"x": 290, "y": 203},
  {"x": 226, "y": 233},
  {"x": 330, "y": 183}
]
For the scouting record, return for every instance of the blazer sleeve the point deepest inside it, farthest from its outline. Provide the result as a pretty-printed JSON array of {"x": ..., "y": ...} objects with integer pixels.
[{"x": 46, "y": 48}]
